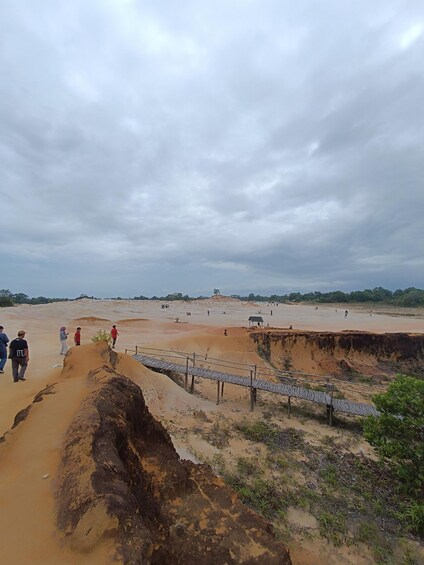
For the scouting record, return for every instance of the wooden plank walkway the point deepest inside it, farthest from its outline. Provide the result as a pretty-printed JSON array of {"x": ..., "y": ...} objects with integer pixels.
[{"x": 318, "y": 397}]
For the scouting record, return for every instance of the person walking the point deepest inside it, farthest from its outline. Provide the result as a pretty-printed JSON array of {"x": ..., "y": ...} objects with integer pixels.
[
  {"x": 4, "y": 340},
  {"x": 77, "y": 336},
  {"x": 114, "y": 334},
  {"x": 63, "y": 336},
  {"x": 19, "y": 354}
]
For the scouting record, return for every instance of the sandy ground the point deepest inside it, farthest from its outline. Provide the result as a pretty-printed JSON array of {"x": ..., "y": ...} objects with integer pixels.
[
  {"x": 146, "y": 323},
  {"x": 35, "y": 453}
]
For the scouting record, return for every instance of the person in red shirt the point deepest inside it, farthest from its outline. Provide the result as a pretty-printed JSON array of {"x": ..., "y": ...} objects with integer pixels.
[
  {"x": 77, "y": 336},
  {"x": 113, "y": 334}
]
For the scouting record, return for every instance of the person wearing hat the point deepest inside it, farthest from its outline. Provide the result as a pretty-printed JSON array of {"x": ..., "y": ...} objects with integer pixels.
[
  {"x": 63, "y": 336},
  {"x": 4, "y": 340},
  {"x": 19, "y": 354}
]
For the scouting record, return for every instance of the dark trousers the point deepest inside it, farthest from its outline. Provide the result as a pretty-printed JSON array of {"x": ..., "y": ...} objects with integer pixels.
[
  {"x": 3, "y": 359},
  {"x": 19, "y": 365}
]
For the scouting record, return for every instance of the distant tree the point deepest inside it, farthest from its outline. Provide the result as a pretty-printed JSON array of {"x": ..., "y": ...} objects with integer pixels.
[
  {"x": 40, "y": 300},
  {"x": 20, "y": 298},
  {"x": 398, "y": 433},
  {"x": 173, "y": 296},
  {"x": 412, "y": 297},
  {"x": 294, "y": 297},
  {"x": 5, "y": 292},
  {"x": 5, "y": 301}
]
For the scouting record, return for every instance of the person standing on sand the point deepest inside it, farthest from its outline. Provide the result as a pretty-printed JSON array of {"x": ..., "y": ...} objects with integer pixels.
[
  {"x": 113, "y": 334},
  {"x": 63, "y": 336},
  {"x": 4, "y": 340},
  {"x": 77, "y": 336},
  {"x": 19, "y": 354}
]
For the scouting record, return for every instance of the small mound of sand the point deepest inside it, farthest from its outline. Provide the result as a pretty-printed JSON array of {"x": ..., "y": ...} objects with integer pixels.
[
  {"x": 91, "y": 320},
  {"x": 221, "y": 297},
  {"x": 131, "y": 321}
]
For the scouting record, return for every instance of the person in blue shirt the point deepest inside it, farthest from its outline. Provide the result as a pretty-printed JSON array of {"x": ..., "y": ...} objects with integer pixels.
[{"x": 4, "y": 340}]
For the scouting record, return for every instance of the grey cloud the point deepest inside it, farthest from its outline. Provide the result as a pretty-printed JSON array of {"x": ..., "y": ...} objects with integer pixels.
[{"x": 258, "y": 144}]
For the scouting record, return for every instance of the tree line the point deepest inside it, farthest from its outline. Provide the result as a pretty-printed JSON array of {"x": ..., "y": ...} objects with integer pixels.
[{"x": 409, "y": 297}]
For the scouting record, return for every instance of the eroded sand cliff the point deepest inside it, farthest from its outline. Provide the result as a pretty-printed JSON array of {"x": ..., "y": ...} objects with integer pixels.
[{"x": 116, "y": 490}]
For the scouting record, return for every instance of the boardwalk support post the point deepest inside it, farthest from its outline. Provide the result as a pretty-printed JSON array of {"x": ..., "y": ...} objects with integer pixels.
[
  {"x": 330, "y": 411},
  {"x": 255, "y": 390},
  {"x": 186, "y": 375},
  {"x": 217, "y": 392},
  {"x": 192, "y": 376},
  {"x": 136, "y": 350},
  {"x": 330, "y": 408},
  {"x": 222, "y": 389},
  {"x": 289, "y": 407},
  {"x": 251, "y": 391}
]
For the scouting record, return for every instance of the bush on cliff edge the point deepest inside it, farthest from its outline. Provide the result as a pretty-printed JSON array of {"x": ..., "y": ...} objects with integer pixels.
[
  {"x": 398, "y": 436},
  {"x": 398, "y": 433}
]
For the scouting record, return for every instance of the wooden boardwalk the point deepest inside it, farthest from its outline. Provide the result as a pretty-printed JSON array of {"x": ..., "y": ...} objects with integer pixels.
[{"x": 318, "y": 397}]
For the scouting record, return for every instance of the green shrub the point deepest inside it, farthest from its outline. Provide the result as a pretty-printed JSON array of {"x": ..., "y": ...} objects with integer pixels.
[
  {"x": 5, "y": 301},
  {"x": 102, "y": 335},
  {"x": 398, "y": 432},
  {"x": 413, "y": 517}
]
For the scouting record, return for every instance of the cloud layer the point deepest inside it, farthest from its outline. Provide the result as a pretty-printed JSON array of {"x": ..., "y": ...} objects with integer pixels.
[{"x": 151, "y": 146}]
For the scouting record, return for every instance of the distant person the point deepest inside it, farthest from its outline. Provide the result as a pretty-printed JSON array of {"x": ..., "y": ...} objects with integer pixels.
[
  {"x": 4, "y": 340},
  {"x": 19, "y": 354},
  {"x": 77, "y": 336},
  {"x": 208, "y": 312},
  {"x": 114, "y": 334},
  {"x": 271, "y": 312},
  {"x": 346, "y": 313},
  {"x": 225, "y": 332},
  {"x": 63, "y": 336}
]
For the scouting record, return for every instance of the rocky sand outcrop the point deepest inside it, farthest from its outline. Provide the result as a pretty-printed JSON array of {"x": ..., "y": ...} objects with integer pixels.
[
  {"x": 120, "y": 478},
  {"x": 341, "y": 352}
]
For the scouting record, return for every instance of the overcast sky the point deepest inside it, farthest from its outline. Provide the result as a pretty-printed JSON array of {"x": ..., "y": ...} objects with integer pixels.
[{"x": 153, "y": 146}]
